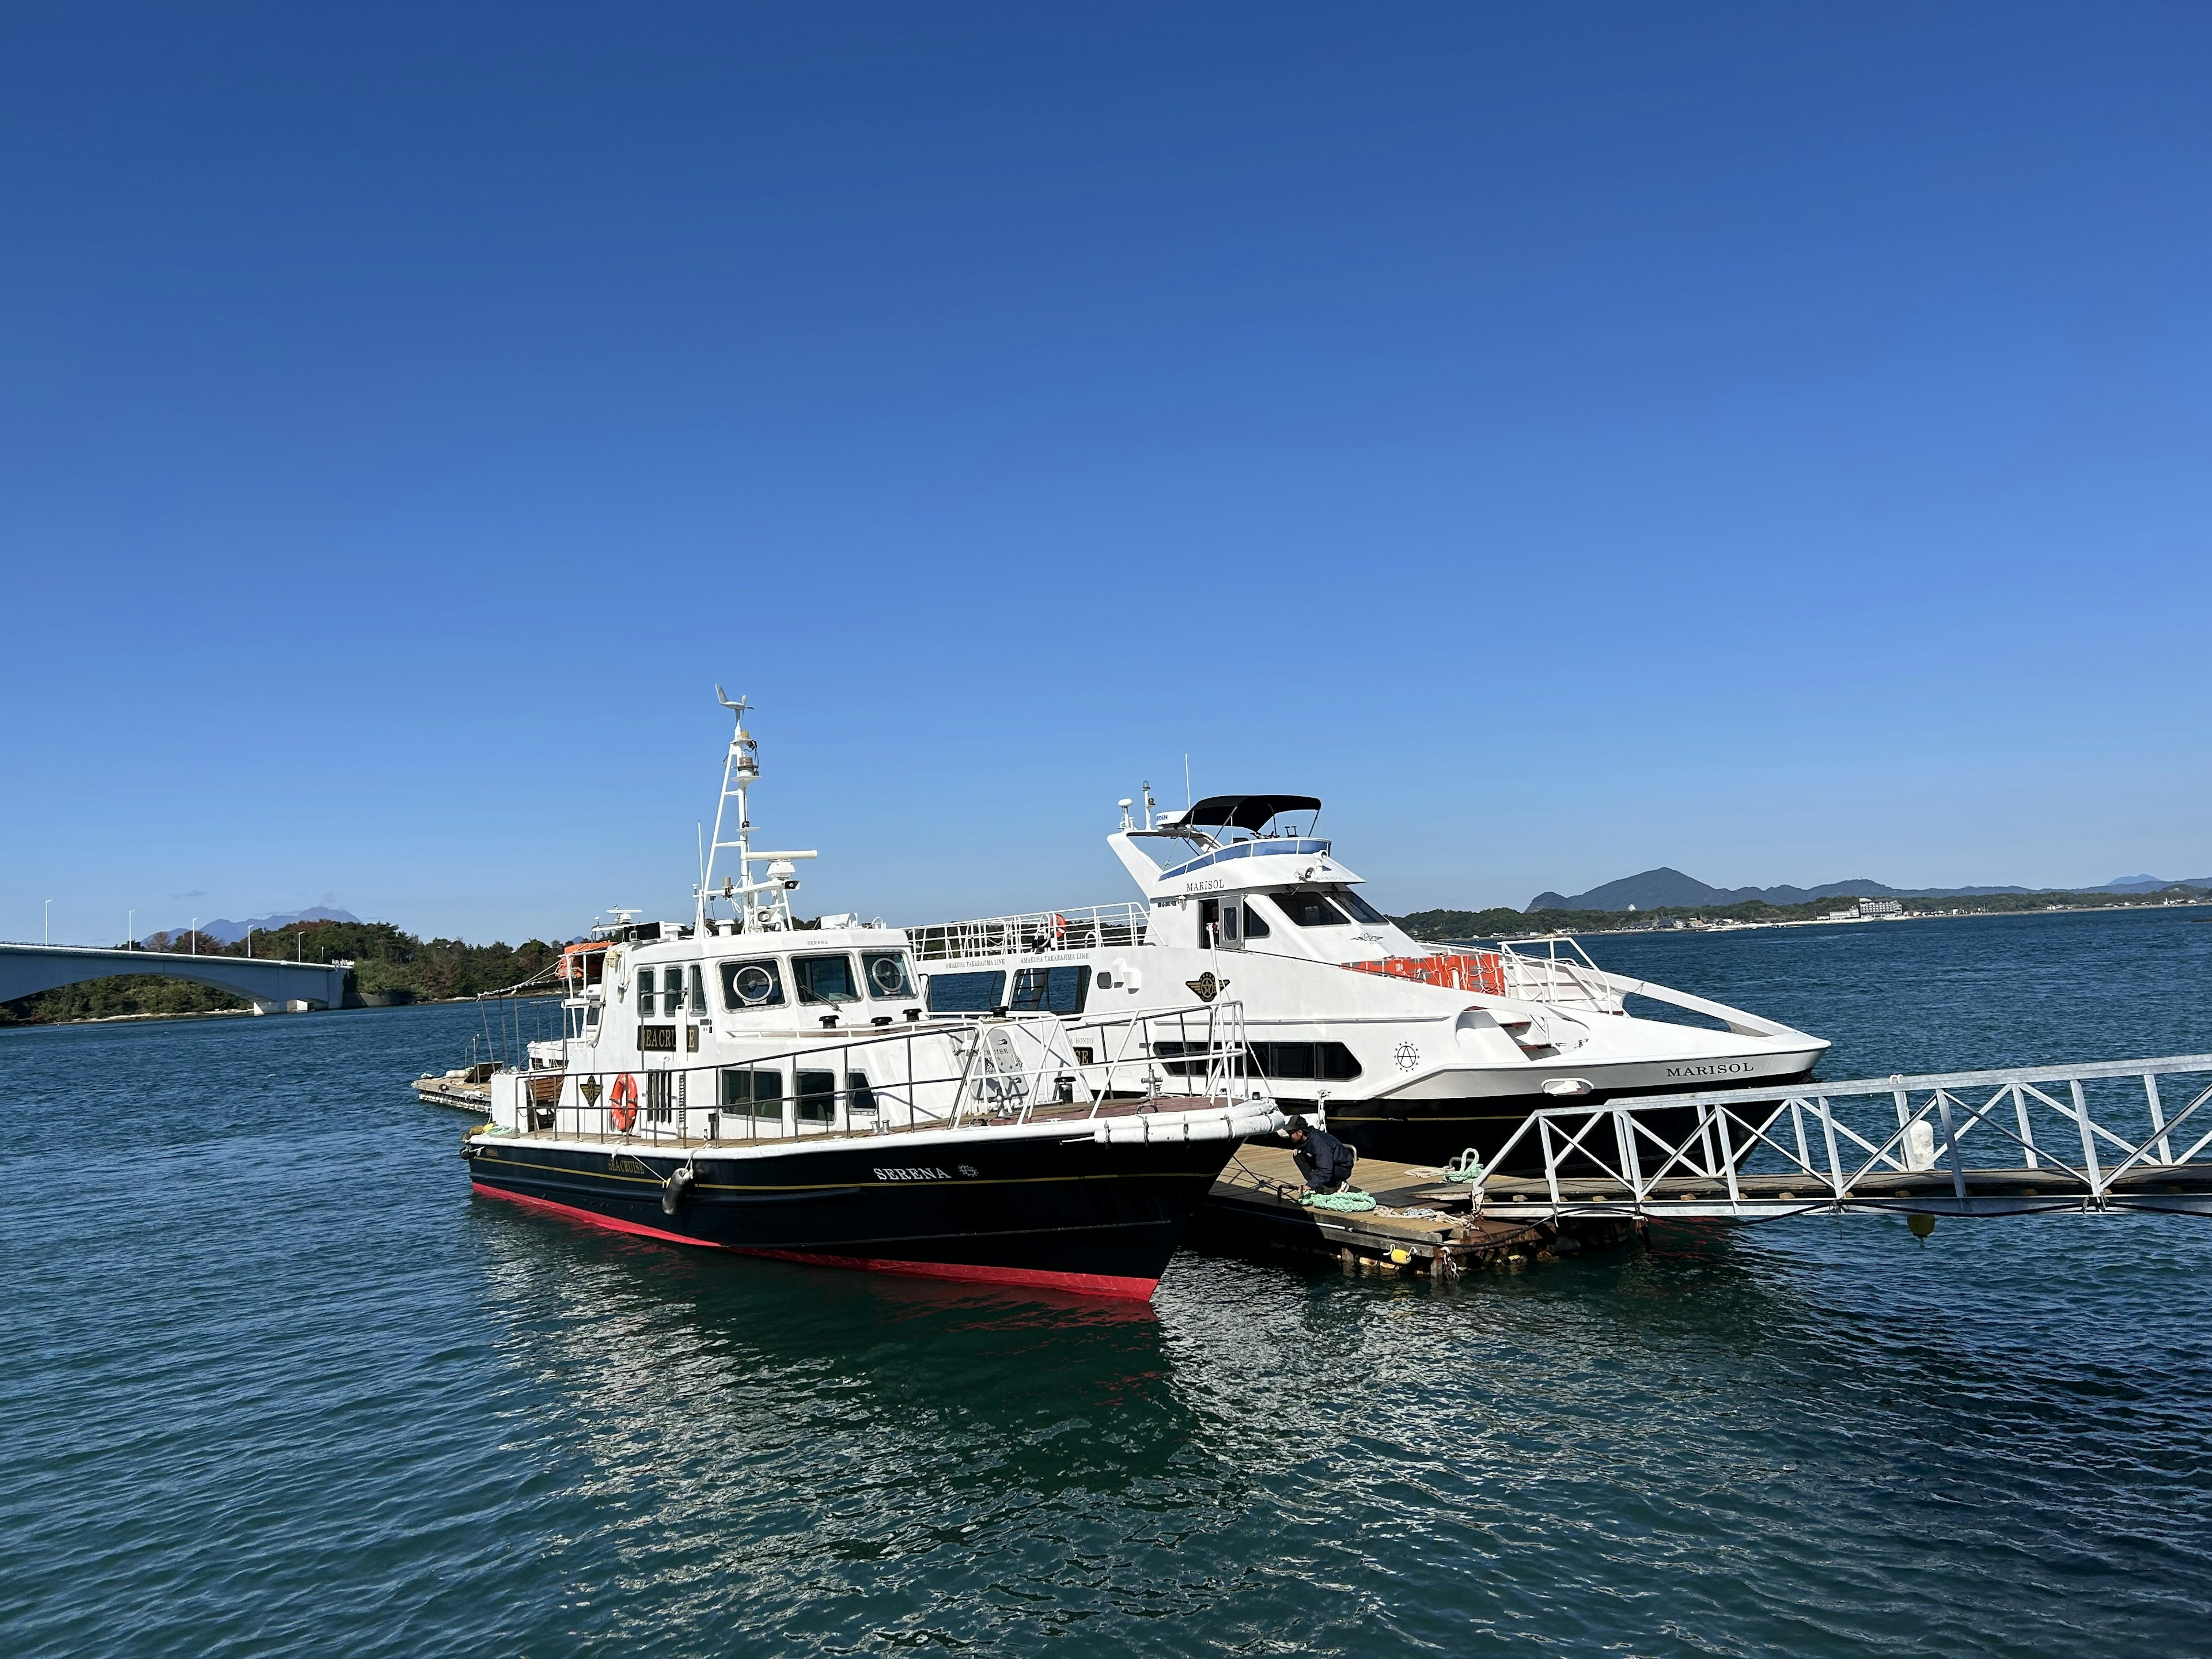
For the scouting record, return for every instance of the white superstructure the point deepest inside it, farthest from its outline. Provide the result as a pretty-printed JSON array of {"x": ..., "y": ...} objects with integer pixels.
[{"x": 1411, "y": 1050}]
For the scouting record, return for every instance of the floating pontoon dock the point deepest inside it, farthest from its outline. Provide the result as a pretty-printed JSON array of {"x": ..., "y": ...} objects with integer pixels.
[{"x": 1421, "y": 1223}]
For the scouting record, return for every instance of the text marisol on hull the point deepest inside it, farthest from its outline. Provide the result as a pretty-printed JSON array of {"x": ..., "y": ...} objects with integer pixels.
[
  {"x": 1417, "y": 1053},
  {"x": 750, "y": 1083}
]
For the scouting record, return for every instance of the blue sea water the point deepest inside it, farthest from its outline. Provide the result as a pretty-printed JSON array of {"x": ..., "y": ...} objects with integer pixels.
[{"x": 274, "y": 1382}]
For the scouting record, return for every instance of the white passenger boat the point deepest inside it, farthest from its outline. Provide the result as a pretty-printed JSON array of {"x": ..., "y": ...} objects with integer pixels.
[
  {"x": 1411, "y": 1052},
  {"x": 755, "y": 1082}
]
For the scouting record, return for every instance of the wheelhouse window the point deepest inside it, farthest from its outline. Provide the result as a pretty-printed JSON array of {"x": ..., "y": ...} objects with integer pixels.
[
  {"x": 646, "y": 982},
  {"x": 1056, "y": 990},
  {"x": 1255, "y": 923},
  {"x": 1360, "y": 908},
  {"x": 753, "y": 985},
  {"x": 825, "y": 978},
  {"x": 886, "y": 976},
  {"x": 672, "y": 993},
  {"x": 1311, "y": 910},
  {"x": 966, "y": 993},
  {"x": 698, "y": 994}
]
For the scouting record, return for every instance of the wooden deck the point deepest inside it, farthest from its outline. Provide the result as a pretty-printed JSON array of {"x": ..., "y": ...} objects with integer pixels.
[{"x": 1421, "y": 1223}]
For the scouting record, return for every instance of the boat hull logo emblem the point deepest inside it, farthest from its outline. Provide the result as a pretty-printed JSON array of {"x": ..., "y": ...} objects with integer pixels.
[
  {"x": 1206, "y": 987},
  {"x": 1407, "y": 1055}
]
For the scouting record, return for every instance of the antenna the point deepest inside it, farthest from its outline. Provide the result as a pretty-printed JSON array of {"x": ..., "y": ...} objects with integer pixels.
[
  {"x": 1186, "y": 783},
  {"x": 740, "y": 771}
]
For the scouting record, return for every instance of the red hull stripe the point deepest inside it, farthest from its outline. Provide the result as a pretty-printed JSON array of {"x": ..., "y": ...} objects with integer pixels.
[{"x": 1118, "y": 1286}]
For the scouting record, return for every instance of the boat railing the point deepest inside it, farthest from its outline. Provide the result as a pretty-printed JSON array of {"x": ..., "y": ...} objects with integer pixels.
[
  {"x": 1018, "y": 1069},
  {"x": 1034, "y": 933},
  {"x": 1259, "y": 847},
  {"x": 1558, "y": 973}
]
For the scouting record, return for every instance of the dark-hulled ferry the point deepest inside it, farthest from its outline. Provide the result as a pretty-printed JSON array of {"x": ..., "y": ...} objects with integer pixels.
[{"x": 752, "y": 1083}]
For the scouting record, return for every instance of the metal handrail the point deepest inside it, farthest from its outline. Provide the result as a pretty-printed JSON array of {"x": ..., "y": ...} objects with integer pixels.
[
  {"x": 1614, "y": 1156},
  {"x": 1040, "y": 1067},
  {"x": 1031, "y": 933}
]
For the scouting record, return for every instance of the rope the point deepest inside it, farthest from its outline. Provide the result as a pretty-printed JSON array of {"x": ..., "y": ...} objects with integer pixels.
[{"x": 1347, "y": 1199}]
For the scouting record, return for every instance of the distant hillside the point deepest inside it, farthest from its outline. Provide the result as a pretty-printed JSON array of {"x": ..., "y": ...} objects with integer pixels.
[
  {"x": 1669, "y": 889},
  {"x": 231, "y": 932}
]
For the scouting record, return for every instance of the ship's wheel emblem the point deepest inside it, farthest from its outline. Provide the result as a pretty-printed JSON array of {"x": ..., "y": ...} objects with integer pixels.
[
  {"x": 591, "y": 1090},
  {"x": 968, "y": 1170},
  {"x": 1206, "y": 987},
  {"x": 1407, "y": 1055}
]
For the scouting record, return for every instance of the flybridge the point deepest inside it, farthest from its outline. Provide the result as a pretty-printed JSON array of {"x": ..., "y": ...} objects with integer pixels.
[{"x": 1247, "y": 849}]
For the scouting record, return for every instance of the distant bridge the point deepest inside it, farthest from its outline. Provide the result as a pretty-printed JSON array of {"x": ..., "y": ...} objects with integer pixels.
[{"x": 271, "y": 985}]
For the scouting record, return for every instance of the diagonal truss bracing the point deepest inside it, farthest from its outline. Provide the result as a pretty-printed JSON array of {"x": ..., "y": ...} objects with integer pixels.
[{"x": 2092, "y": 1137}]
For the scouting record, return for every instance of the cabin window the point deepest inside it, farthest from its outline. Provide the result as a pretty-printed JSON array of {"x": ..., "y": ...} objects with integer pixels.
[
  {"x": 645, "y": 986},
  {"x": 751, "y": 985},
  {"x": 1255, "y": 924},
  {"x": 885, "y": 972},
  {"x": 753, "y": 1091},
  {"x": 1361, "y": 908},
  {"x": 1311, "y": 910},
  {"x": 825, "y": 978},
  {"x": 859, "y": 1096},
  {"x": 1057, "y": 990},
  {"x": 1330, "y": 1062},
  {"x": 698, "y": 994},
  {"x": 966, "y": 993},
  {"x": 672, "y": 993},
  {"x": 818, "y": 1098}
]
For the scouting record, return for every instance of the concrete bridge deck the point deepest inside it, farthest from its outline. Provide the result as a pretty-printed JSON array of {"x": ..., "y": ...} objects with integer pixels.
[{"x": 271, "y": 985}]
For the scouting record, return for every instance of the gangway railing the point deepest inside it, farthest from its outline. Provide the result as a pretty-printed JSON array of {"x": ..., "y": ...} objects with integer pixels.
[{"x": 2114, "y": 1135}]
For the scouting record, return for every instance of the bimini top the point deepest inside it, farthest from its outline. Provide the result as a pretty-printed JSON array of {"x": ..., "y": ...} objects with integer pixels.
[{"x": 1249, "y": 812}]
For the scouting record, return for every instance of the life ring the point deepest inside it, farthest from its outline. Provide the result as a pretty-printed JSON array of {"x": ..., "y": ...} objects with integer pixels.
[{"x": 622, "y": 1102}]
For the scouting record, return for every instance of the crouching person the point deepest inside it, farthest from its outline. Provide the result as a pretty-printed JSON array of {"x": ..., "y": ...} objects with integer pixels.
[{"x": 1322, "y": 1159}]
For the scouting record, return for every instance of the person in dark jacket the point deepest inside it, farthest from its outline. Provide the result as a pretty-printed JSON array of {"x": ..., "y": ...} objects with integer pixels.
[{"x": 1322, "y": 1159}]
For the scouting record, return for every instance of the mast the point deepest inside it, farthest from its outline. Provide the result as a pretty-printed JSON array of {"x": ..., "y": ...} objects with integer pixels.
[{"x": 740, "y": 771}]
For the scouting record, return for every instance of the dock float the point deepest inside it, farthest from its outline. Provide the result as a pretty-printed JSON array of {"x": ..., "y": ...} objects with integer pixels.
[
  {"x": 466, "y": 1089},
  {"x": 1421, "y": 1224}
]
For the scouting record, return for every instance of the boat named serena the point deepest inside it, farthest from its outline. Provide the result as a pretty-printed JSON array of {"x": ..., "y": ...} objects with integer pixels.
[{"x": 752, "y": 1083}]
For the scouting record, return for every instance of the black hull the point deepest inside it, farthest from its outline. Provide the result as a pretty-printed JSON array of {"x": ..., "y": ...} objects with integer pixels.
[
  {"x": 1436, "y": 1131},
  {"x": 1056, "y": 1213}
]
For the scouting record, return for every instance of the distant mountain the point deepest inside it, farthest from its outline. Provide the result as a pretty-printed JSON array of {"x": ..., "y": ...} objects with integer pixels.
[
  {"x": 231, "y": 932},
  {"x": 1666, "y": 888},
  {"x": 2146, "y": 883}
]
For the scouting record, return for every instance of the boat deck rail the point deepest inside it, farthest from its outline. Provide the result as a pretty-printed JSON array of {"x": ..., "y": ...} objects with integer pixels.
[
  {"x": 1033, "y": 932},
  {"x": 1259, "y": 847},
  {"x": 1017, "y": 1070},
  {"x": 1553, "y": 969},
  {"x": 2132, "y": 1134}
]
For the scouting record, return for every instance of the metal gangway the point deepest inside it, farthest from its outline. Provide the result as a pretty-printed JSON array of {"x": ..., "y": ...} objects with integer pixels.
[{"x": 2095, "y": 1139}]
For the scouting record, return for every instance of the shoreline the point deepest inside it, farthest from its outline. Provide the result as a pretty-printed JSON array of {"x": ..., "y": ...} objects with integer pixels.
[{"x": 1687, "y": 925}]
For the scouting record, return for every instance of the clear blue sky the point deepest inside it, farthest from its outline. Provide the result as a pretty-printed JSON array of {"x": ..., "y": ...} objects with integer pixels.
[{"x": 1769, "y": 441}]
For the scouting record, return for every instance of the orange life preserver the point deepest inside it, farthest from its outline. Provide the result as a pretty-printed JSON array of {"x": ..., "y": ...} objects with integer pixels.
[{"x": 622, "y": 1102}]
